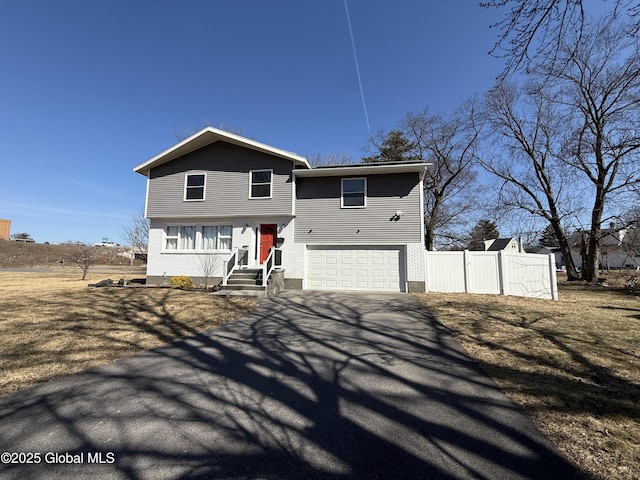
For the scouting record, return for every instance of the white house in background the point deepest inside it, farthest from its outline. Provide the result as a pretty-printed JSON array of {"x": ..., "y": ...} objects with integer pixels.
[
  {"x": 619, "y": 247},
  {"x": 218, "y": 200}
]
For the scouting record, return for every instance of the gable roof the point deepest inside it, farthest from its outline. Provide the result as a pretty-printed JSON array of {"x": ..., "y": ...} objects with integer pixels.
[
  {"x": 210, "y": 135},
  {"x": 500, "y": 244}
]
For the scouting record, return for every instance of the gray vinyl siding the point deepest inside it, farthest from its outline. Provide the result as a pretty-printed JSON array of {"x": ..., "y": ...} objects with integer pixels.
[
  {"x": 227, "y": 169},
  {"x": 320, "y": 220}
]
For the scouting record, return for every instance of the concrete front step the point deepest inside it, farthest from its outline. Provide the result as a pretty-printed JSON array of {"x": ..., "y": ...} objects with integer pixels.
[
  {"x": 244, "y": 282},
  {"x": 243, "y": 287},
  {"x": 241, "y": 293}
]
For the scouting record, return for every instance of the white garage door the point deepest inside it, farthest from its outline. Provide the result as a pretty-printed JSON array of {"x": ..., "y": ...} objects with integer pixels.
[{"x": 355, "y": 268}]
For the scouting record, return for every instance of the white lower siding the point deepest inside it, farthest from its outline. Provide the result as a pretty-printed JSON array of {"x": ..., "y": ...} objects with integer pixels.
[
  {"x": 163, "y": 263},
  {"x": 293, "y": 260},
  {"x": 415, "y": 262}
]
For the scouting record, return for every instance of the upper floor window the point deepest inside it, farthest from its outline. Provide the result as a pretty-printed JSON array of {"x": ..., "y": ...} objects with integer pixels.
[
  {"x": 354, "y": 192},
  {"x": 260, "y": 182},
  {"x": 194, "y": 186}
]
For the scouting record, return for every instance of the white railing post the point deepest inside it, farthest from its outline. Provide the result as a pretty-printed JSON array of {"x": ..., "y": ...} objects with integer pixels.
[
  {"x": 228, "y": 271},
  {"x": 269, "y": 264}
]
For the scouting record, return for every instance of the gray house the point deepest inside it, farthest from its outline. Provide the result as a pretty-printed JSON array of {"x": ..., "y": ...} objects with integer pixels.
[{"x": 221, "y": 204}]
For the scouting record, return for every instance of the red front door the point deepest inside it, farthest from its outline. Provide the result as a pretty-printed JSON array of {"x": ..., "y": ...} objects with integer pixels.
[{"x": 267, "y": 239}]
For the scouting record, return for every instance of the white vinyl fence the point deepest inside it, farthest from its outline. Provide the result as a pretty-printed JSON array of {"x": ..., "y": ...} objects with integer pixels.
[{"x": 506, "y": 273}]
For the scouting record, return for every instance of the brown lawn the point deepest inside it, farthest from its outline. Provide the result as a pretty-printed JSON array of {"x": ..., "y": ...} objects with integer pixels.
[
  {"x": 52, "y": 324},
  {"x": 574, "y": 365}
]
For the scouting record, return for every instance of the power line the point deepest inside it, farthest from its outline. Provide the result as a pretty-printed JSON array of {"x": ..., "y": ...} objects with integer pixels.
[{"x": 355, "y": 57}]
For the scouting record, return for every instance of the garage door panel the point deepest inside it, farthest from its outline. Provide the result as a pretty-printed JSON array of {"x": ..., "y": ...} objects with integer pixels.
[{"x": 376, "y": 268}]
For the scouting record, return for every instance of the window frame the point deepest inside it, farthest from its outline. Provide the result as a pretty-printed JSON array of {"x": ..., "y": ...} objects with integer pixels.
[
  {"x": 251, "y": 184},
  {"x": 168, "y": 237},
  {"x": 202, "y": 238},
  {"x": 187, "y": 187},
  {"x": 199, "y": 246},
  {"x": 221, "y": 237},
  {"x": 183, "y": 238},
  {"x": 364, "y": 192}
]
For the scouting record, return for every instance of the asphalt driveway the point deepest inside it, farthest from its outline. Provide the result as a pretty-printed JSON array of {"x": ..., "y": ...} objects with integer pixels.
[{"x": 307, "y": 386}]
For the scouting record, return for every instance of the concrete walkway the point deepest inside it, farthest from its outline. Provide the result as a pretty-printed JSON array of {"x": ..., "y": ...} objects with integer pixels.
[{"x": 307, "y": 386}]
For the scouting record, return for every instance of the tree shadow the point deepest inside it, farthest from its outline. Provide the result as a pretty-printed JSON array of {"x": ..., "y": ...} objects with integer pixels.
[
  {"x": 306, "y": 386},
  {"x": 636, "y": 315},
  {"x": 583, "y": 387}
]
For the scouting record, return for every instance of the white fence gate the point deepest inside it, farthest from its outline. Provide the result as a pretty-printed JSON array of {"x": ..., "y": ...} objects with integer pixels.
[{"x": 506, "y": 273}]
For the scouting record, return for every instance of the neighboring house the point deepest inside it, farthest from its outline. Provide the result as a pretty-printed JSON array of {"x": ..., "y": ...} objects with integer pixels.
[
  {"x": 557, "y": 255},
  {"x": 498, "y": 244},
  {"x": 217, "y": 196},
  {"x": 619, "y": 247}
]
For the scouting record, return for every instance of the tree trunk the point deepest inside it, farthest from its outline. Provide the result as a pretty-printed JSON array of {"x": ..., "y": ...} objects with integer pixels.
[
  {"x": 565, "y": 250},
  {"x": 593, "y": 257},
  {"x": 591, "y": 264},
  {"x": 428, "y": 237},
  {"x": 430, "y": 221}
]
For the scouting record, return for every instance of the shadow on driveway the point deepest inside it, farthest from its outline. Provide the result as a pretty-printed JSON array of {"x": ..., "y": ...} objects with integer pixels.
[{"x": 309, "y": 385}]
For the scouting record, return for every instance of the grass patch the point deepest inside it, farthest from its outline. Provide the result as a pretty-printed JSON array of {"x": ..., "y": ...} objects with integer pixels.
[
  {"x": 574, "y": 365},
  {"x": 52, "y": 324}
]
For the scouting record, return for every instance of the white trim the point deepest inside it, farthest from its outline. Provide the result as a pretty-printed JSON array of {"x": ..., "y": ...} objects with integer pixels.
[
  {"x": 422, "y": 228},
  {"x": 362, "y": 169},
  {"x": 294, "y": 188},
  {"x": 251, "y": 184},
  {"x": 210, "y": 135},
  {"x": 146, "y": 199},
  {"x": 342, "y": 180},
  {"x": 204, "y": 187}
]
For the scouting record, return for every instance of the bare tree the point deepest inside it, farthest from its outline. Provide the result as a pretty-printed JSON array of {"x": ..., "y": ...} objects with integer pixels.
[
  {"x": 136, "y": 234},
  {"x": 597, "y": 86},
  {"x": 330, "y": 159},
  {"x": 183, "y": 133},
  {"x": 449, "y": 185},
  {"x": 449, "y": 143},
  {"x": 209, "y": 265},
  {"x": 525, "y": 160},
  {"x": 82, "y": 255},
  {"x": 536, "y": 29}
]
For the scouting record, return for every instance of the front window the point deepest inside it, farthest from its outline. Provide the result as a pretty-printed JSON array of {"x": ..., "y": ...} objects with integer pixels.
[
  {"x": 198, "y": 237},
  {"x": 171, "y": 239},
  {"x": 260, "y": 183},
  {"x": 187, "y": 237},
  {"x": 217, "y": 237},
  {"x": 224, "y": 237},
  {"x": 194, "y": 187},
  {"x": 354, "y": 192},
  {"x": 210, "y": 237}
]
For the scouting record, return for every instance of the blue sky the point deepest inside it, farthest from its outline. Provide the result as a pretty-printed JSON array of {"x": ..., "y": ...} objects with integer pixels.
[{"x": 88, "y": 90}]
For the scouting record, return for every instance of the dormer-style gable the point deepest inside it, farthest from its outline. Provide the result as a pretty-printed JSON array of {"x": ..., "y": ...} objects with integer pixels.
[
  {"x": 214, "y": 173},
  {"x": 210, "y": 135}
]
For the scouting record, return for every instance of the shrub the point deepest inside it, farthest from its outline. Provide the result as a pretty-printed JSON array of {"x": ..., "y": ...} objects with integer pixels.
[{"x": 182, "y": 281}]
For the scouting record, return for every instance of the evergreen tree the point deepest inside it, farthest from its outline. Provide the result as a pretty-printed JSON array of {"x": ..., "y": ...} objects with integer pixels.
[
  {"x": 395, "y": 147},
  {"x": 484, "y": 230},
  {"x": 548, "y": 238}
]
